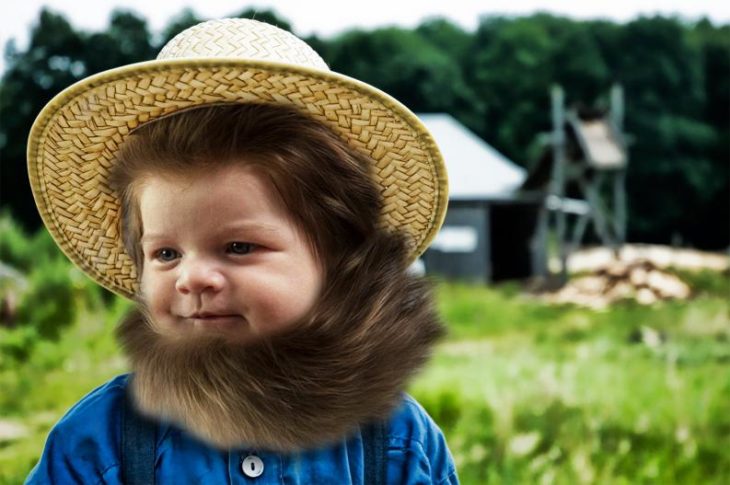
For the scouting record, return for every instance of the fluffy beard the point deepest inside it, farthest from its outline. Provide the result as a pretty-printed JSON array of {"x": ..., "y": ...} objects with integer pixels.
[{"x": 343, "y": 365}]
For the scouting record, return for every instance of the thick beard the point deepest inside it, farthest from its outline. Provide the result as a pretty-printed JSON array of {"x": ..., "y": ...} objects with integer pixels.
[{"x": 345, "y": 364}]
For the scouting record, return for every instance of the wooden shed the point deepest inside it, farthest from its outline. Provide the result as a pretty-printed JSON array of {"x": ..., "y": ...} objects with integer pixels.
[{"x": 490, "y": 229}]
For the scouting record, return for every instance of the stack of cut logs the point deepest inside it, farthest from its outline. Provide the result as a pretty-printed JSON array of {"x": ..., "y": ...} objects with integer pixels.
[{"x": 641, "y": 281}]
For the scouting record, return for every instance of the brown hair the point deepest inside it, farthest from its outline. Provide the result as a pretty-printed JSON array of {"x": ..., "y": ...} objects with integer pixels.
[{"x": 323, "y": 182}]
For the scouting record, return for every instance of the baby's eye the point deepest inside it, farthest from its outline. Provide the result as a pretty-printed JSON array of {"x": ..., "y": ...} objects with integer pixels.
[
  {"x": 240, "y": 247},
  {"x": 166, "y": 254}
]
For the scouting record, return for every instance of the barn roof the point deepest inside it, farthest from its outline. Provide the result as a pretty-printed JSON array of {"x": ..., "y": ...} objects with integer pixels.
[{"x": 476, "y": 170}]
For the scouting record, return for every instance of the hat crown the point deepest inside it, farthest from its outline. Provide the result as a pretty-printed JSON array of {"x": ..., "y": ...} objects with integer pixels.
[{"x": 244, "y": 39}]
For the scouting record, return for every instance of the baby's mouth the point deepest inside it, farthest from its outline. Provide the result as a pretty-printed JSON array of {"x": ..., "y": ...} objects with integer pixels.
[{"x": 215, "y": 321}]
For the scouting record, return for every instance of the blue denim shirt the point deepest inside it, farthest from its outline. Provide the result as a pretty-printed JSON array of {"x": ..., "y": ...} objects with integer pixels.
[{"x": 83, "y": 447}]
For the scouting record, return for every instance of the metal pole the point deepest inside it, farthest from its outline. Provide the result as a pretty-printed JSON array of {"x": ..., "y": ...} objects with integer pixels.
[
  {"x": 619, "y": 206},
  {"x": 619, "y": 181},
  {"x": 558, "y": 179}
]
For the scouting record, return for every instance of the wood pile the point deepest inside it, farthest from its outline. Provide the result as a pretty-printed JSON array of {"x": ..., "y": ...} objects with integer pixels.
[
  {"x": 590, "y": 259},
  {"x": 642, "y": 281}
]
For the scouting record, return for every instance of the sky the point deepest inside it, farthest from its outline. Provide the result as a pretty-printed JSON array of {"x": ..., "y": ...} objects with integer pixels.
[{"x": 329, "y": 17}]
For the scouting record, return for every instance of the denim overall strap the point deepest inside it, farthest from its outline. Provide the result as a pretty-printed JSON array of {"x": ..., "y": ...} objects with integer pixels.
[
  {"x": 376, "y": 449},
  {"x": 138, "y": 446}
]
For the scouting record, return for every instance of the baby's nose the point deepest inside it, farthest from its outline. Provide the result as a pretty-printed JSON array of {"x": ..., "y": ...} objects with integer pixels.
[{"x": 198, "y": 276}]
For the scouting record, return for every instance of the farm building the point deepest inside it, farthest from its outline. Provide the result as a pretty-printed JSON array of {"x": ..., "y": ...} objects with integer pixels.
[
  {"x": 499, "y": 215},
  {"x": 490, "y": 229}
]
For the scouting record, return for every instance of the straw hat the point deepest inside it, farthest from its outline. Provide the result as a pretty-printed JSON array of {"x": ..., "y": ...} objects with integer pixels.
[{"x": 74, "y": 140}]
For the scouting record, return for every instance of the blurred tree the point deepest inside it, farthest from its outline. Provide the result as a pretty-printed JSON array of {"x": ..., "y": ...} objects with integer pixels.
[
  {"x": 408, "y": 67},
  {"x": 447, "y": 36},
  {"x": 125, "y": 41},
  {"x": 513, "y": 63},
  {"x": 510, "y": 71},
  {"x": 703, "y": 228},
  {"x": 495, "y": 80},
  {"x": 456, "y": 43},
  {"x": 663, "y": 77},
  {"x": 579, "y": 63}
]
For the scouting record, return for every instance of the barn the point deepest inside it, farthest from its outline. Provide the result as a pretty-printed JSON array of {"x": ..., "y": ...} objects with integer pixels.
[{"x": 490, "y": 231}]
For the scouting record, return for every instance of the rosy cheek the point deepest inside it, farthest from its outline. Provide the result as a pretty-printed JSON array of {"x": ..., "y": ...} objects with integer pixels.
[
  {"x": 290, "y": 309},
  {"x": 154, "y": 293}
]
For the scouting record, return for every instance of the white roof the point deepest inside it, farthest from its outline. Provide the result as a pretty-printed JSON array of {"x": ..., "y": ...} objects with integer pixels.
[{"x": 476, "y": 170}]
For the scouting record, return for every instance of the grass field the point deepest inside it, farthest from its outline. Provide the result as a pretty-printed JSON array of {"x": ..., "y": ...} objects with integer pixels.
[
  {"x": 525, "y": 392},
  {"x": 534, "y": 394}
]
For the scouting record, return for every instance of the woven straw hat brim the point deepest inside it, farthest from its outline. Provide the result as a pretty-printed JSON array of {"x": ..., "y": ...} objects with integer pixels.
[{"x": 74, "y": 139}]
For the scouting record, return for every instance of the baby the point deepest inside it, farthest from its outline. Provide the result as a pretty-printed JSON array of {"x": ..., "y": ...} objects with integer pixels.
[{"x": 276, "y": 324}]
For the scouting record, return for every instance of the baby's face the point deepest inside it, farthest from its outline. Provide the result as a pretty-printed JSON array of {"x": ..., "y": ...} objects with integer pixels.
[{"x": 222, "y": 254}]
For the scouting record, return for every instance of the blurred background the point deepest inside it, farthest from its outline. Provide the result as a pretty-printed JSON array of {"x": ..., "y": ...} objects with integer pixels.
[{"x": 583, "y": 266}]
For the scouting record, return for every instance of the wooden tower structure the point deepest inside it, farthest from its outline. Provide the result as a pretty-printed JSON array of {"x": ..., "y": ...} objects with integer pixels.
[{"x": 588, "y": 153}]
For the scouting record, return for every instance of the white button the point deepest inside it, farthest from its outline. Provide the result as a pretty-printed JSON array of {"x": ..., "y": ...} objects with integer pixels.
[{"x": 252, "y": 466}]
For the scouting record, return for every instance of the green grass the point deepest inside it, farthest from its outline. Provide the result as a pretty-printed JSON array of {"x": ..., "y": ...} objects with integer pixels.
[
  {"x": 525, "y": 392},
  {"x": 528, "y": 393},
  {"x": 37, "y": 392}
]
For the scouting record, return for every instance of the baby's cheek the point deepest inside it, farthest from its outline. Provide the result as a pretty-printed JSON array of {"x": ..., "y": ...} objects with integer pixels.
[
  {"x": 156, "y": 294},
  {"x": 281, "y": 307},
  {"x": 303, "y": 301}
]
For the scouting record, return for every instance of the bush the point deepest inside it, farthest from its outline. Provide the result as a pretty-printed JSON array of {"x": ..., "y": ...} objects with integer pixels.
[
  {"x": 24, "y": 252},
  {"x": 16, "y": 344},
  {"x": 52, "y": 291},
  {"x": 49, "y": 304}
]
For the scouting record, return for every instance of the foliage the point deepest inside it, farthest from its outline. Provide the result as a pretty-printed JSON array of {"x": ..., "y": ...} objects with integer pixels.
[
  {"x": 528, "y": 393},
  {"x": 56, "y": 331},
  {"x": 52, "y": 295},
  {"x": 406, "y": 65},
  {"x": 22, "y": 251},
  {"x": 40, "y": 389},
  {"x": 49, "y": 304}
]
